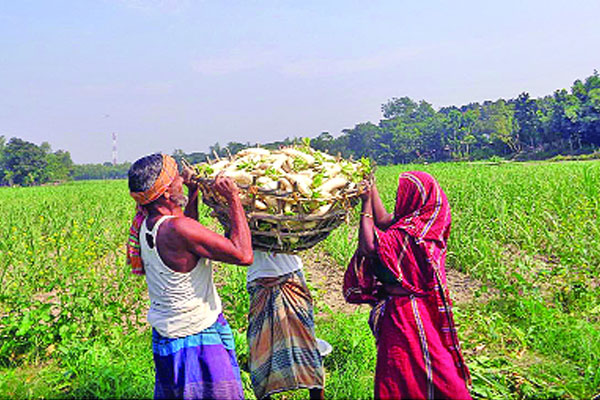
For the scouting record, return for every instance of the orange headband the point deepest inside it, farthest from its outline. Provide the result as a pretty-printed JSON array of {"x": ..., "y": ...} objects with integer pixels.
[{"x": 165, "y": 178}]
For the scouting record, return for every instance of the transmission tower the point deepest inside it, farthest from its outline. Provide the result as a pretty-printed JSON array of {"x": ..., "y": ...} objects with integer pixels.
[{"x": 114, "y": 148}]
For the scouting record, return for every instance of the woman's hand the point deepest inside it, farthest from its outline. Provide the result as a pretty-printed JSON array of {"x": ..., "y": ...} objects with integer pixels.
[{"x": 366, "y": 189}]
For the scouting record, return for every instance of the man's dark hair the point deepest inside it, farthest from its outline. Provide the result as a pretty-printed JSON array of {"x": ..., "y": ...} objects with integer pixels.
[{"x": 144, "y": 172}]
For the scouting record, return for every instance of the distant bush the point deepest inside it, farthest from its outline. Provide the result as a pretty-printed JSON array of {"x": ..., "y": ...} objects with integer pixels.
[
  {"x": 496, "y": 160},
  {"x": 581, "y": 157}
]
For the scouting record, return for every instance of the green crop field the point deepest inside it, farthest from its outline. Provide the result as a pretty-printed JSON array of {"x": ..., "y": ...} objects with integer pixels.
[{"x": 526, "y": 238}]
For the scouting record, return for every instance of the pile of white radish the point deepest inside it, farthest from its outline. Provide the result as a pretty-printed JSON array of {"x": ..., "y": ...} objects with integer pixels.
[{"x": 290, "y": 180}]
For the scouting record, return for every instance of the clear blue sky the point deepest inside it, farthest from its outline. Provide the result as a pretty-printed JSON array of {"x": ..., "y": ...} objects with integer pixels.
[{"x": 184, "y": 74}]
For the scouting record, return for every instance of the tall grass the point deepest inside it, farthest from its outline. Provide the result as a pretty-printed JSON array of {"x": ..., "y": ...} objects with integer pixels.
[{"x": 72, "y": 317}]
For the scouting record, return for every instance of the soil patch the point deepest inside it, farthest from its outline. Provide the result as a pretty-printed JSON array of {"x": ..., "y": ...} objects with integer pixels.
[
  {"x": 545, "y": 272},
  {"x": 462, "y": 287},
  {"x": 326, "y": 279}
]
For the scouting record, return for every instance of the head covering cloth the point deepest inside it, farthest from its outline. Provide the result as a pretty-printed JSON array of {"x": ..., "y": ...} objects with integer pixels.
[
  {"x": 167, "y": 174},
  {"x": 423, "y": 213}
]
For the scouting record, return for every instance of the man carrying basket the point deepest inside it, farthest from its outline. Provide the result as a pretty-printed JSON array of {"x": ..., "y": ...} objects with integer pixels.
[{"x": 193, "y": 346}]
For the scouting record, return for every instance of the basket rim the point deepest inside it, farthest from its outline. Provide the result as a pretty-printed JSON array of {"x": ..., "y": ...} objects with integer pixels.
[{"x": 289, "y": 196}]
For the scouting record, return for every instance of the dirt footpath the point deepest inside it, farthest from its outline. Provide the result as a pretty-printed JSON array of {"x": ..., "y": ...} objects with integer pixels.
[{"x": 326, "y": 278}]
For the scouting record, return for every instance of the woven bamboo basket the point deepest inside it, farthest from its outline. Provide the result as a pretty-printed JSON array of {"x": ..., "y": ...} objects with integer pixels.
[{"x": 278, "y": 230}]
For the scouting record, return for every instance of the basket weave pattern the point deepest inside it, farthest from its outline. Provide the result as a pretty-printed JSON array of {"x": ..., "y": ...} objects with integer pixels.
[{"x": 277, "y": 230}]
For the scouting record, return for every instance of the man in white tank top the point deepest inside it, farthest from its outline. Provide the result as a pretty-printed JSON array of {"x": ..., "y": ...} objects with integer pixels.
[{"x": 193, "y": 346}]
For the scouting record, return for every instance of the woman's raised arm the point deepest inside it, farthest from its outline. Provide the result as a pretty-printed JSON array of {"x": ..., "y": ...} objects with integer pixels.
[
  {"x": 382, "y": 218},
  {"x": 366, "y": 234}
]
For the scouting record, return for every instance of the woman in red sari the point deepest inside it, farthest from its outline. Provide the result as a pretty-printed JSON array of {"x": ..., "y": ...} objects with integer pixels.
[{"x": 399, "y": 269}]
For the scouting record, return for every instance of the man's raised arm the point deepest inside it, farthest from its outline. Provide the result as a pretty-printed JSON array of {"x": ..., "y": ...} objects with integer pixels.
[
  {"x": 237, "y": 249},
  {"x": 240, "y": 231}
]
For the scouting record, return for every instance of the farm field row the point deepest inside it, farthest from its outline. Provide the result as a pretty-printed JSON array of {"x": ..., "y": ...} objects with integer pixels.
[{"x": 73, "y": 317}]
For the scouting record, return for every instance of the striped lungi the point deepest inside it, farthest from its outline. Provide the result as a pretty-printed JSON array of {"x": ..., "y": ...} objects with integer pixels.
[
  {"x": 281, "y": 336},
  {"x": 200, "y": 366}
]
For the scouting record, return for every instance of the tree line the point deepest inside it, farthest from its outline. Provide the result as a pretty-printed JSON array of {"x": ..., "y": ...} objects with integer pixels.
[
  {"x": 24, "y": 163},
  {"x": 566, "y": 122}
]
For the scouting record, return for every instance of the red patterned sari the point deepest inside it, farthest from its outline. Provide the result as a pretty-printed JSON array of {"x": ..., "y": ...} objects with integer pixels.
[{"x": 418, "y": 353}]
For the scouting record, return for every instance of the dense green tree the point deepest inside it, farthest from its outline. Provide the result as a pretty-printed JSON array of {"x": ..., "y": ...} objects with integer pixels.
[
  {"x": 498, "y": 127},
  {"x": 2, "y": 169},
  {"x": 24, "y": 163},
  {"x": 452, "y": 130},
  {"x": 402, "y": 108},
  {"x": 361, "y": 139},
  {"x": 565, "y": 118},
  {"x": 432, "y": 143},
  {"x": 406, "y": 142},
  {"x": 384, "y": 147},
  {"x": 526, "y": 119},
  {"x": 322, "y": 142},
  {"x": 46, "y": 148},
  {"x": 234, "y": 147},
  {"x": 59, "y": 166},
  {"x": 467, "y": 131},
  {"x": 589, "y": 97}
]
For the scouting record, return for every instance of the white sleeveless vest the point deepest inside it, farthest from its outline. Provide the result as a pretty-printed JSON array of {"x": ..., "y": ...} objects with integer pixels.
[{"x": 181, "y": 304}]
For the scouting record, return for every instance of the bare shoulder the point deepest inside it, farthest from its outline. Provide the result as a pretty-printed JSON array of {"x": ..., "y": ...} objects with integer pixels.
[
  {"x": 186, "y": 226},
  {"x": 191, "y": 230}
]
